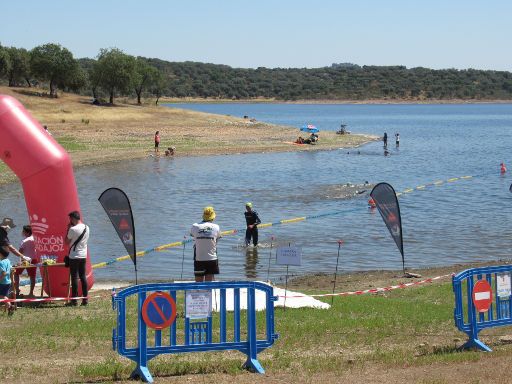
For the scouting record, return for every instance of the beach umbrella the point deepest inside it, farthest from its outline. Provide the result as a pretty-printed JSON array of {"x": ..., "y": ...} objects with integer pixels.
[{"x": 309, "y": 128}]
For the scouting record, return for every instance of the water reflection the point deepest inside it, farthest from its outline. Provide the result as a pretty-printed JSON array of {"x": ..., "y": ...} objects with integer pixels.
[{"x": 251, "y": 262}]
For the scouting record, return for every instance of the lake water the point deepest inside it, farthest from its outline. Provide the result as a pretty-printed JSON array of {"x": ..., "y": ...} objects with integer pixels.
[{"x": 463, "y": 221}]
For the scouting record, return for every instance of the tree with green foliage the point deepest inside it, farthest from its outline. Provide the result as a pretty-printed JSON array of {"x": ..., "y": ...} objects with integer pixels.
[
  {"x": 159, "y": 85},
  {"x": 144, "y": 77},
  {"x": 53, "y": 63},
  {"x": 20, "y": 66},
  {"x": 114, "y": 71},
  {"x": 5, "y": 62}
]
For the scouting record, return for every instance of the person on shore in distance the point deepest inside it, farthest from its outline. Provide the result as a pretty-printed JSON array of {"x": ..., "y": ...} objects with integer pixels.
[
  {"x": 157, "y": 140},
  {"x": 5, "y": 278},
  {"x": 397, "y": 139},
  {"x": 46, "y": 130},
  {"x": 6, "y": 225},
  {"x": 28, "y": 249},
  {"x": 385, "y": 139},
  {"x": 252, "y": 220},
  {"x": 170, "y": 151},
  {"x": 76, "y": 240},
  {"x": 206, "y": 234}
]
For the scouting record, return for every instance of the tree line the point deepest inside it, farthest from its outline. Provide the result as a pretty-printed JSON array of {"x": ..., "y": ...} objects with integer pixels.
[{"x": 114, "y": 73}]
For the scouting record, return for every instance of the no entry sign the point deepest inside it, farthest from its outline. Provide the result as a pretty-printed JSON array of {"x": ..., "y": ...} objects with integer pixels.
[
  {"x": 159, "y": 310},
  {"x": 482, "y": 296}
]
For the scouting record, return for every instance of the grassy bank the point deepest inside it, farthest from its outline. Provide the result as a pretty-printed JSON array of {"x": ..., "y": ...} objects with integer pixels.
[
  {"x": 99, "y": 134},
  {"x": 402, "y": 335}
]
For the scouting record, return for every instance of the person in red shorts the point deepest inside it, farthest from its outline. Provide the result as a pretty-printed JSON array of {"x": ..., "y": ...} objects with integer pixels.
[{"x": 28, "y": 249}]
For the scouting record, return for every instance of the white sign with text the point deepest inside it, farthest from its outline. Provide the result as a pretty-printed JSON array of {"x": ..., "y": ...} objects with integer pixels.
[
  {"x": 289, "y": 256},
  {"x": 198, "y": 304},
  {"x": 503, "y": 284}
]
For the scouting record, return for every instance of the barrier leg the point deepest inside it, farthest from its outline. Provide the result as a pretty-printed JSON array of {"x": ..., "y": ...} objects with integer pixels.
[
  {"x": 141, "y": 371},
  {"x": 252, "y": 362},
  {"x": 475, "y": 343}
]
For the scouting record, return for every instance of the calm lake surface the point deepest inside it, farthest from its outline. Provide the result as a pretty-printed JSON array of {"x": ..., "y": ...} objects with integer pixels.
[{"x": 463, "y": 221}]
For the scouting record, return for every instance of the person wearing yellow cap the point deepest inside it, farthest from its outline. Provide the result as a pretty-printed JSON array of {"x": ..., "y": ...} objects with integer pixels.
[
  {"x": 206, "y": 235},
  {"x": 252, "y": 220}
]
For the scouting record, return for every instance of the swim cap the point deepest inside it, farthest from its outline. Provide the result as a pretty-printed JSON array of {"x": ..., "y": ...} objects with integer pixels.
[
  {"x": 248, "y": 205},
  {"x": 208, "y": 214}
]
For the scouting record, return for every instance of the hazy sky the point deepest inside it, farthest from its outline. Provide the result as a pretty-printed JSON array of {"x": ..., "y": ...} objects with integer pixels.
[{"x": 279, "y": 33}]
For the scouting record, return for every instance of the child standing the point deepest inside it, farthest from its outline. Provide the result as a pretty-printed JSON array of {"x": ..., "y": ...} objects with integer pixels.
[
  {"x": 5, "y": 278},
  {"x": 157, "y": 140}
]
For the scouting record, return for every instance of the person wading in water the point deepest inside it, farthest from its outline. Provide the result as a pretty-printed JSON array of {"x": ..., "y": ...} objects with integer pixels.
[{"x": 252, "y": 220}]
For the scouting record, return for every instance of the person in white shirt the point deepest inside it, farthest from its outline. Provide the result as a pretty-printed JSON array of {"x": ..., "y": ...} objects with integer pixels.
[
  {"x": 206, "y": 235},
  {"x": 77, "y": 238},
  {"x": 28, "y": 249}
]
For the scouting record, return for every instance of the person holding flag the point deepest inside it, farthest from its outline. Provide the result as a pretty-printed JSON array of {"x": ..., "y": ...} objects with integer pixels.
[{"x": 252, "y": 220}]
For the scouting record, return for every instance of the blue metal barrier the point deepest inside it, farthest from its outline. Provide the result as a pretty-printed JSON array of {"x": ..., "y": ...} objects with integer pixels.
[
  {"x": 197, "y": 336},
  {"x": 498, "y": 302}
]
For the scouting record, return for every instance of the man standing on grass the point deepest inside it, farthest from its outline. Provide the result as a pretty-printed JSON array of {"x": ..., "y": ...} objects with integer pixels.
[{"x": 77, "y": 238}]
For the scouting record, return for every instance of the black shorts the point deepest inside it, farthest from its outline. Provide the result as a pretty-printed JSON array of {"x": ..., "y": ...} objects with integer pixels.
[
  {"x": 157, "y": 144},
  {"x": 203, "y": 268},
  {"x": 4, "y": 289}
]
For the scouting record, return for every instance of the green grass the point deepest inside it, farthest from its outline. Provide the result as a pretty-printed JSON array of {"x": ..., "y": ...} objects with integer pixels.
[
  {"x": 412, "y": 327},
  {"x": 71, "y": 144}
]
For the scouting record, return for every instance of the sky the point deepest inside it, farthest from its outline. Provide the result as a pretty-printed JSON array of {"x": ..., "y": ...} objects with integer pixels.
[{"x": 280, "y": 33}]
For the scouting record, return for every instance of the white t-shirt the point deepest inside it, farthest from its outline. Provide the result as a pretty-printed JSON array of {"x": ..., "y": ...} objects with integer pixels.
[
  {"x": 205, "y": 236},
  {"x": 28, "y": 248},
  {"x": 80, "y": 252}
]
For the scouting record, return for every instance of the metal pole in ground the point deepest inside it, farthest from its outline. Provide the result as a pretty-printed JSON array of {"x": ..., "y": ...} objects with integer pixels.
[
  {"x": 285, "y": 287},
  {"x": 336, "y": 272},
  {"x": 270, "y": 257},
  {"x": 183, "y": 257}
]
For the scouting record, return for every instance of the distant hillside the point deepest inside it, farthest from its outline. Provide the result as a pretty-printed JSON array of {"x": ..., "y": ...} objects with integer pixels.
[{"x": 339, "y": 81}]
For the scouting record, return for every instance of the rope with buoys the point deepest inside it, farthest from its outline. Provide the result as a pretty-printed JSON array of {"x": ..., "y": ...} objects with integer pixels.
[{"x": 436, "y": 183}]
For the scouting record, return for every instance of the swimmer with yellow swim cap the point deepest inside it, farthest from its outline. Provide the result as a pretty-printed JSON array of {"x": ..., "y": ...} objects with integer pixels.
[{"x": 205, "y": 235}]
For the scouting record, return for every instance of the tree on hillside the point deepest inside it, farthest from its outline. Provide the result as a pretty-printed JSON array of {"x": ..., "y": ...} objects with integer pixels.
[
  {"x": 159, "y": 85},
  {"x": 20, "y": 66},
  {"x": 114, "y": 71},
  {"x": 53, "y": 63},
  {"x": 91, "y": 76},
  {"x": 144, "y": 76},
  {"x": 5, "y": 62},
  {"x": 77, "y": 80}
]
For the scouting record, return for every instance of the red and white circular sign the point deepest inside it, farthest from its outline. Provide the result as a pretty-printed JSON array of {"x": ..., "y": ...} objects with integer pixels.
[{"x": 482, "y": 295}]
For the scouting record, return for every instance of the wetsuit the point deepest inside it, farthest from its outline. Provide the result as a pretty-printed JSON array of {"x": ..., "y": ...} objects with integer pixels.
[{"x": 251, "y": 218}]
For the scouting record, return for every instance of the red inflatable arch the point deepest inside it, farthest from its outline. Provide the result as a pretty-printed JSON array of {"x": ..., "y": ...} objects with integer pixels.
[{"x": 46, "y": 174}]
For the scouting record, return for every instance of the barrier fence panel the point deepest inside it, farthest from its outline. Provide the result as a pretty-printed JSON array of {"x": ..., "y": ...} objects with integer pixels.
[
  {"x": 483, "y": 299},
  {"x": 157, "y": 307}
]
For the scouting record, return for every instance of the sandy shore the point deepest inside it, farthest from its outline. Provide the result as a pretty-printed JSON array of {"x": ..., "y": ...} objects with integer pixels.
[{"x": 100, "y": 134}]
